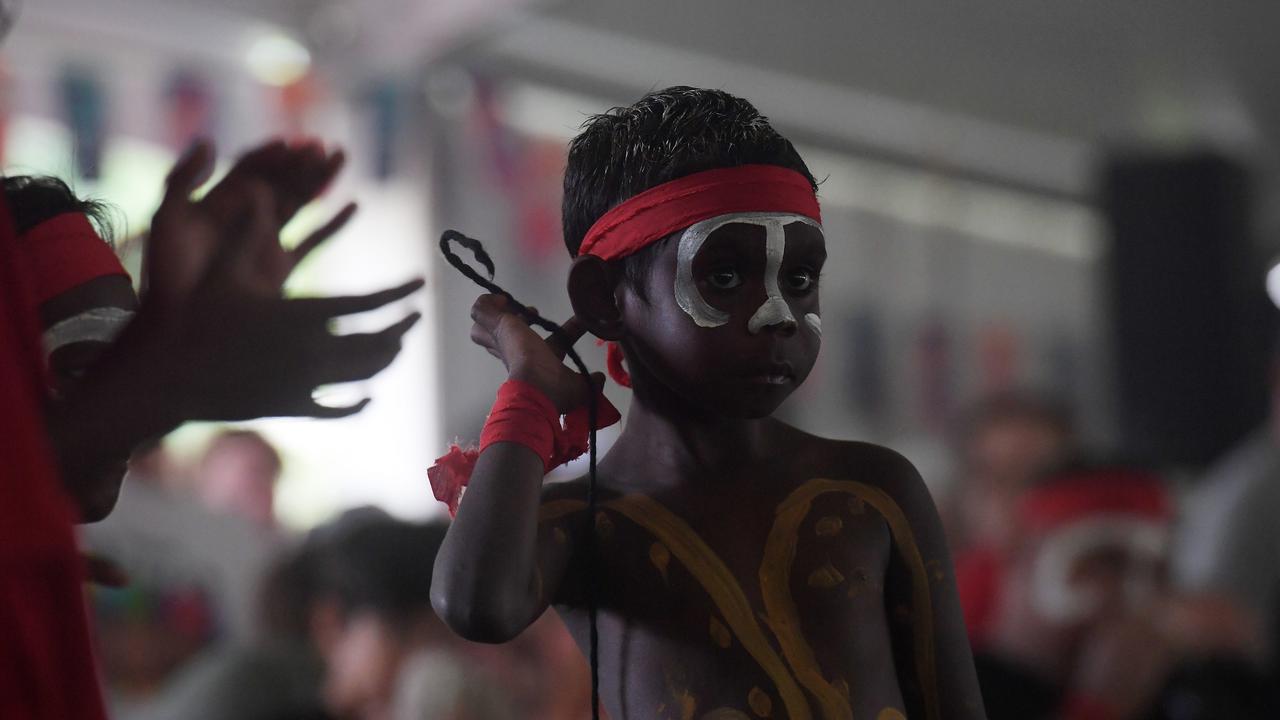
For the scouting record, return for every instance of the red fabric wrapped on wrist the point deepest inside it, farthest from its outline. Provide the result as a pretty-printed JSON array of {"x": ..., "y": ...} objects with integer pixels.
[{"x": 521, "y": 414}]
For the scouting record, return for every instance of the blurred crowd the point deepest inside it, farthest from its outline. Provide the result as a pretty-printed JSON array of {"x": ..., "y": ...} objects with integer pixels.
[
  {"x": 1093, "y": 586},
  {"x": 1099, "y": 587},
  {"x": 220, "y": 613}
]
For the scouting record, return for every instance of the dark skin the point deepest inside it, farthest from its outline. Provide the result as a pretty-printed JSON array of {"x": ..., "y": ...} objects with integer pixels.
[
  {"x": 214, "y": 338},
  {"x": 692, "y": 516}
]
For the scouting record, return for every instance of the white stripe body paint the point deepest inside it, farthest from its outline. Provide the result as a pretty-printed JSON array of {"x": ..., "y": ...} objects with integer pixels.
[
  {"x": 97, "y": 325},
  {"x": 775, "y": 309}
]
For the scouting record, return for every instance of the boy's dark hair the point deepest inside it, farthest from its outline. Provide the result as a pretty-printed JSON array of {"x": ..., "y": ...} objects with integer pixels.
[
  {"x": 663, "y": 136},
  {"x": 34, "y": 199}
]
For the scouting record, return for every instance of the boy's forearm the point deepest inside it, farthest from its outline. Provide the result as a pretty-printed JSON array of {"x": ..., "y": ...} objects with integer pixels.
[{"x": 485, "y": 585}]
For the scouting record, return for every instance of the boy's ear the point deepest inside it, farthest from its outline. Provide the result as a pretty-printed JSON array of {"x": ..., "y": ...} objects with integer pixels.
[{"x": 592, "y": 283}]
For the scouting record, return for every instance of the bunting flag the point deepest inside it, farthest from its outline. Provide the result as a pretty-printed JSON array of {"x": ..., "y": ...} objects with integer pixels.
[
  {"x": 84, "y": 108},
  {"x": 384, "y": 101},
  {"x": 933, "y": 358},
  {"x": 501, "y": 145},
  {"x": 539, "y": 194},
  {"x": 189, "y": 108},
  {"x": 527, "y": 170},
  {"x": 295, "y": 101},
  {"x": 998, "y": 359}
]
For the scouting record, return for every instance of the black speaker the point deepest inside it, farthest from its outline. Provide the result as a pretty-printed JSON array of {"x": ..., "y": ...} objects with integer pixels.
[{"x": 1190, "y": 319}]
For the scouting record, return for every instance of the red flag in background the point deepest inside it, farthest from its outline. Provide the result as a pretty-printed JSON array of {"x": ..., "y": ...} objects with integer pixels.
[
  {"x": 528, "y": 171},
  {"x": 296, "y": 100},
  {"x": 189, "y": 109},
  {"x": 540, "y": 191}
]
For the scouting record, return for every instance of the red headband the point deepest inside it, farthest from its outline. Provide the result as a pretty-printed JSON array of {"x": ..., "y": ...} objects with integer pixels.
[
  {"x": 666, "y": 208},
  {"x": 65, "y": 251},
  {"x": 1113, "y": 492}
]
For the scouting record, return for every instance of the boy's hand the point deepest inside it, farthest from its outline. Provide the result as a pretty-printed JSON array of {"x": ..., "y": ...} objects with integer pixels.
[
  {"x": 527, "y": 356},
  {"x": 234, "y": 348}
]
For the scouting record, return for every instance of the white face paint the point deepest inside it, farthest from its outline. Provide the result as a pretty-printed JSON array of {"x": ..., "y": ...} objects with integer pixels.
[
  {"x": 814, "y": 322},
  {"x": 96, "y": 325},
  {"x": 1052, "y": 593},
  {"x": 775, "y": 310}
]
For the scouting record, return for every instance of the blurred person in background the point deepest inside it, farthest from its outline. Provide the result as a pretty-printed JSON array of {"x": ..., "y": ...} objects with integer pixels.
[
  {"x": 193, "y": 575},
  {"x": 273, "y": 673},
  {"x": 238, "y": 475},
  {"x": 347, "y": 631},
  {"x": 389, "y": 657},
  {"x": 386, "y": 654},
  {"x": 1228, "y": 541},
  {"x": 1004, "y": 442},
  {"x": 1086, "y": 626}
]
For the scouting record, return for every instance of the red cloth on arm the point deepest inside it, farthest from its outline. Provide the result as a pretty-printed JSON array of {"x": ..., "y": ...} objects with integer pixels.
[
  {"x": 46, "y": 662},
  {"x": 522, "y": 414}
]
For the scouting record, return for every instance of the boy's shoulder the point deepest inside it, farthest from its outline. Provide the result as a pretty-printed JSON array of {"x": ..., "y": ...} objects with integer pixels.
[{"x": 867, "y": 464}]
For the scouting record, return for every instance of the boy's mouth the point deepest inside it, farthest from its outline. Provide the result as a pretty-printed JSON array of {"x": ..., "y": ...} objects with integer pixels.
[{"x": 774, "y": 374}]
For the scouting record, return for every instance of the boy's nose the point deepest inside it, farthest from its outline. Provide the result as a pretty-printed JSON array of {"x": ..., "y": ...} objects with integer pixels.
[
  {"x": 784, "y": 327},
  {"x": 773, "y": 315}
]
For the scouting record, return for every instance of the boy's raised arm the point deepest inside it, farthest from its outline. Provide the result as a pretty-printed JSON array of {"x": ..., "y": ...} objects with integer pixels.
[
  {"x": 931, "y": 647},
  {"x": 492, "y": 576}
]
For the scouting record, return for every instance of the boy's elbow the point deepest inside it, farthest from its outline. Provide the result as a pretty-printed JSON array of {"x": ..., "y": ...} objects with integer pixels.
[{"x": 473, "y": 619}]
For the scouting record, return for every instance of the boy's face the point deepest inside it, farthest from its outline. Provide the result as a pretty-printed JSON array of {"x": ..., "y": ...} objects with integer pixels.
[
  {"x": 78, "y": 325},
  {"x": 732, "y": 320}
]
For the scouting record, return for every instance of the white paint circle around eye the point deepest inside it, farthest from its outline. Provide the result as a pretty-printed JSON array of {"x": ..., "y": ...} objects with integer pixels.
[{"x": 690, "y": 299}]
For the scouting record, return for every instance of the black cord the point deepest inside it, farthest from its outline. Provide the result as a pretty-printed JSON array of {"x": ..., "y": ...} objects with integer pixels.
[{"x": 453, "y": 236}]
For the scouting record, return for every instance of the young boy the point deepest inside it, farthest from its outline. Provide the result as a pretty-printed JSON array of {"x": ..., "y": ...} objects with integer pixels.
[{"x": 745, "y": 568}]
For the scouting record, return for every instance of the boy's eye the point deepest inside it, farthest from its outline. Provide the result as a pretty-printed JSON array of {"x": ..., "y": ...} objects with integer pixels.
[
  {"x": 801, "y": 280},
  {"x": 724, "y": 279}
]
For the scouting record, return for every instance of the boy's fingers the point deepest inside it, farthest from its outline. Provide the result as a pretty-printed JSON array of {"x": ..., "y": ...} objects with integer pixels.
[
  {"x": 481, "y": 336},
  {"x": 329, "y": 307},
  {"x": 489, "y": 310},
  {"x": 570, "y": 332},
  {"x": 326, "y": 231}
]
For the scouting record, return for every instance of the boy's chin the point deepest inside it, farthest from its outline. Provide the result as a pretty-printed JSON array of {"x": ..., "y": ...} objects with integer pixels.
[{"x": 751, "y": 405}]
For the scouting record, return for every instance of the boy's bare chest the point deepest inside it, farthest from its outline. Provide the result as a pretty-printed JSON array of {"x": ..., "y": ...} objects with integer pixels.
[{"x": 746, "y": 601}]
